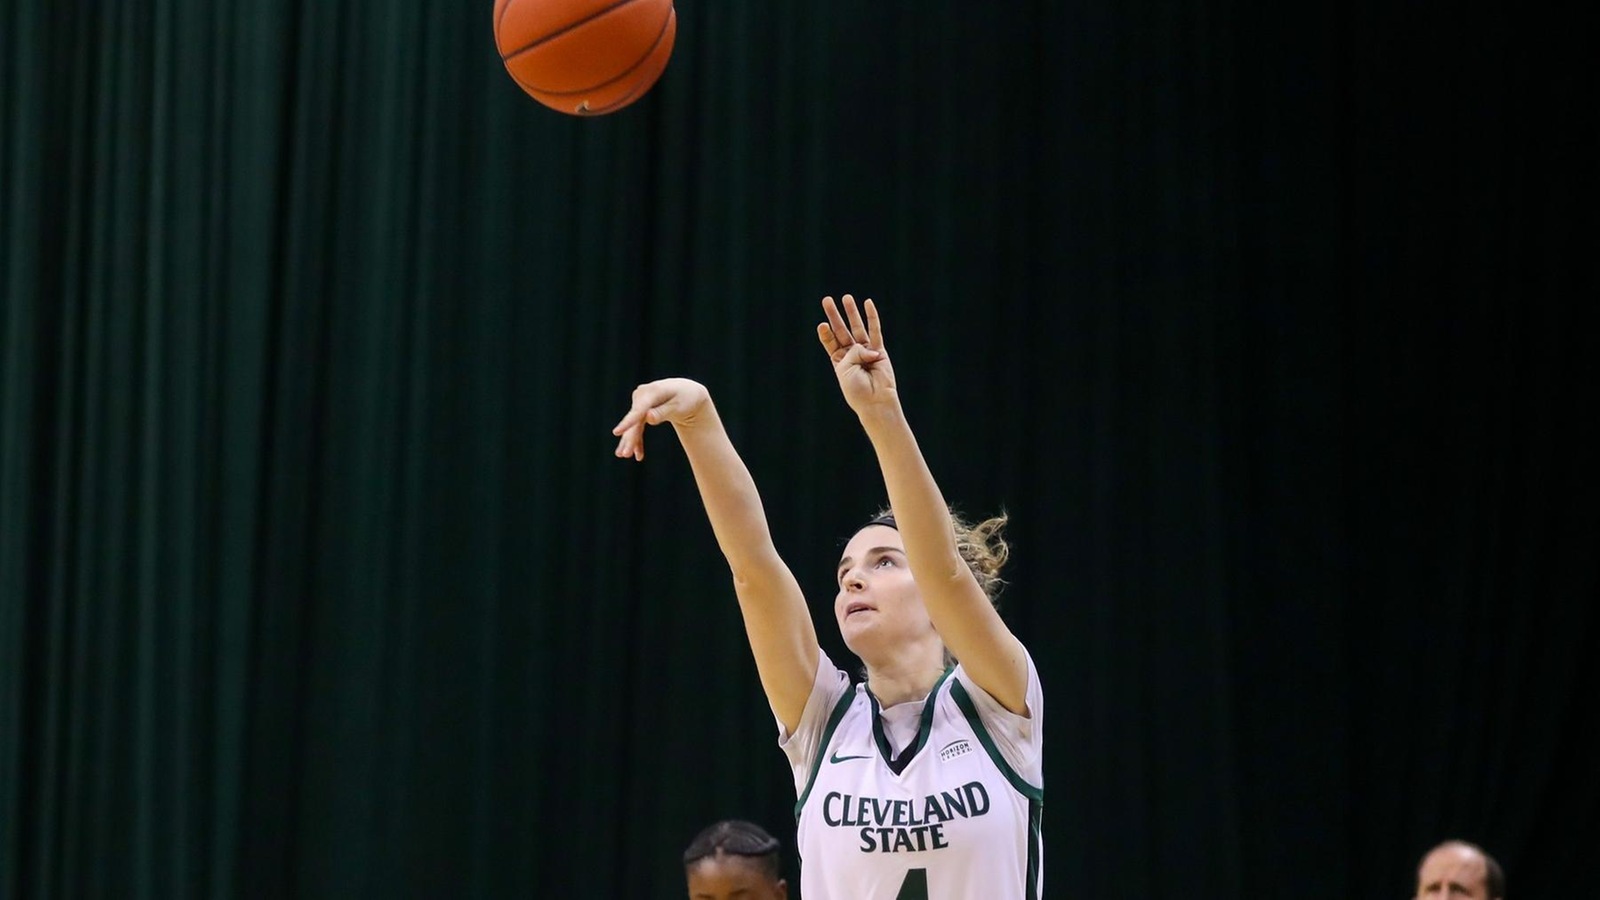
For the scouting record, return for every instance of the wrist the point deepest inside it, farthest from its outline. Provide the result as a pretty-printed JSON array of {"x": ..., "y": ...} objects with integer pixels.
[
  {"x": 704, "y": 415},
  {"x": 880, "y": 415}
]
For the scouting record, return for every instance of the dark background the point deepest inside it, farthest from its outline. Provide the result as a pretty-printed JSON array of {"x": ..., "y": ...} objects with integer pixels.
[{"x": 1263, "y": 321}]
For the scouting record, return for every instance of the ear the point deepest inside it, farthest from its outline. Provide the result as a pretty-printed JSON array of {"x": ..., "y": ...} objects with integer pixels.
[{"x": 783, "y": 889}]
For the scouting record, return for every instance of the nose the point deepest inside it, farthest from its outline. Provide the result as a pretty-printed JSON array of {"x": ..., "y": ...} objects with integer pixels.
[{"x": 853, "y": 581}]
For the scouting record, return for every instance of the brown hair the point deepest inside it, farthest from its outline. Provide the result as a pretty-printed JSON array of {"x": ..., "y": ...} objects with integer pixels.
[{"x": 982, "y": 547}]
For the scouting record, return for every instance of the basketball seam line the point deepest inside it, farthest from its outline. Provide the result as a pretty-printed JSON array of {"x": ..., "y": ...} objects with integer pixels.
[
  {"x": 665, "y": 24},
  {"x": 555, "y": 34},
  {"x": 631, "y": 95}
]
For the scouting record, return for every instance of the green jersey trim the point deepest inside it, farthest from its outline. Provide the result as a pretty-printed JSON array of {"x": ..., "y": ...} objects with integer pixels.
[
  {"x": 897, "y": 764},
  {"x": 970, "y": 710},
  {"x": 1034, "y": 794},
  {"x": 834, "y": 718}
]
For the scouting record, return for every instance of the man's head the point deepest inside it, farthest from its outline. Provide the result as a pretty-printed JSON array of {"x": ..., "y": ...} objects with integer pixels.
[{"x": 1457, "y": 870}]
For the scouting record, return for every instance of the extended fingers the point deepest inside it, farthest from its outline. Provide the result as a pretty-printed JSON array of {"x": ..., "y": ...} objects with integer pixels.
[
  {"x": 839, "y": 337},
  {"x": 828, "y": 341},
  {"x": 631, "y": 443},
  {"x": 634, "y": 417},
  {"x": 622, "y": 426},
  {"x": 858, "y": 328},
  {"x": 841, "y": 331},
  {"x": 630, "y": 431},
  {"x": 647, "y": 399}
]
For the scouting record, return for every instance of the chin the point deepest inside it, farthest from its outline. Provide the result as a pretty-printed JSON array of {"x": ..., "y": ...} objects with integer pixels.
[{"x": 862, "y": 640}]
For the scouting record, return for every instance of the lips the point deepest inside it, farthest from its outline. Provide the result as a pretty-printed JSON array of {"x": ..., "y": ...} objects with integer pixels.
[{"x": 857, "y": 606}]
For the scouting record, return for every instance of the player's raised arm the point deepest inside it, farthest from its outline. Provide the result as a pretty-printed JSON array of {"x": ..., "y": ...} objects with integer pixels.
[
  {"x": 957, "y": 605},
  {"x": 776, "y": 619}
]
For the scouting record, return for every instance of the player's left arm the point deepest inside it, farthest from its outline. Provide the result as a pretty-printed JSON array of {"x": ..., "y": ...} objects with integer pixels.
[
  {"x": 963, "y": 614},
  {"x": 966, "y": 619}
]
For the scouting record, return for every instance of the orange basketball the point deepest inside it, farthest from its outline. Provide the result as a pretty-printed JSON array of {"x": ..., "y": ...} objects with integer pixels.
[{"x": 585, "y": 57}]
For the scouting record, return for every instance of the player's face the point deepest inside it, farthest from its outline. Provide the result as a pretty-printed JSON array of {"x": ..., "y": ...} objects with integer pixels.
[
  {"x": 1453, "y": 873},
  {"x": 733, "y": 878},
  {"x": 877, "y": 599}
]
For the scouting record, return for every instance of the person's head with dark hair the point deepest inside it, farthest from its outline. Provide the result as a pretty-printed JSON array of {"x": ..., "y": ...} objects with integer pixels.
[
  {"x": 1458, "y": 870},
  {"x": 734, "y": 858}
]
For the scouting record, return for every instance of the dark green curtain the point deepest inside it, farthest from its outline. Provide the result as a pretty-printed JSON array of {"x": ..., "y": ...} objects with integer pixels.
[{"x": 318, "y": 579}]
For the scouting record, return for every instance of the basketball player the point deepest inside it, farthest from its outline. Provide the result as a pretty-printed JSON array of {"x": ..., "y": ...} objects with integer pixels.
[
  {"x": 924, "y": 781},
  {"x": 734, "y": 860}
]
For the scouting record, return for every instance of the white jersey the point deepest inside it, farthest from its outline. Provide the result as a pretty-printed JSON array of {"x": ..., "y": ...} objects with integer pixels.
[{"x": 953, "y": 815}]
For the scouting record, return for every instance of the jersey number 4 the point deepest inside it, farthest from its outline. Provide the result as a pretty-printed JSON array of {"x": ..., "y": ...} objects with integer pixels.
[{"x": 915, "y": 887}]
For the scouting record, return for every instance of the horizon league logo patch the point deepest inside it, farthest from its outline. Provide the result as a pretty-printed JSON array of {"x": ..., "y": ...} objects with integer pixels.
[
  {"x": 954, "y": 749},
  {"x": 893, "y": 826}
]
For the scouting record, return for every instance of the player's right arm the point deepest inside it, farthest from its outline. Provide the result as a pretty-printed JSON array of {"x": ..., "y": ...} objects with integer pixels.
[{"x": 776, "y": 619}]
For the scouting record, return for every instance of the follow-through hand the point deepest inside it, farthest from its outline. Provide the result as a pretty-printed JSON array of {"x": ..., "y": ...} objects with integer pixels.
[
  {"x": 675, "y": 400},
  {"x": 855, "y": 347}
]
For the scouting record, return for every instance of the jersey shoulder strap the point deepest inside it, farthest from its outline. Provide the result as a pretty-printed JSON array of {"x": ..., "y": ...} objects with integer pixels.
[
  {"x": 839, "y": 709},
  {"x": 963, "y": 700}
]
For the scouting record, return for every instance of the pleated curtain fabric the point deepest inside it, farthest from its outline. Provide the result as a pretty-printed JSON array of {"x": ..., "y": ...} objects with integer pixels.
[{"x": 318, "y": 578}]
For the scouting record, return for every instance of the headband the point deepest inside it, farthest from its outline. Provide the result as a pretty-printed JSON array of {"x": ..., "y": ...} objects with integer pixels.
[{"x": 882, "y": 520}]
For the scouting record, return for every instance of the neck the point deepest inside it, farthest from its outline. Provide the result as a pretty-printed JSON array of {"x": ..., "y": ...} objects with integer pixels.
[{"x": 901, "y": 680}]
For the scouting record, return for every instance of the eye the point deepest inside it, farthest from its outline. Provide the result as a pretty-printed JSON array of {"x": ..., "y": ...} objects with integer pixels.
[{"x": 882, "y": 561}]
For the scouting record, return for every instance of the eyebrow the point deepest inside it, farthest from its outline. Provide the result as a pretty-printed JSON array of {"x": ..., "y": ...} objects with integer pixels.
[{"x": 845, "y": 563}]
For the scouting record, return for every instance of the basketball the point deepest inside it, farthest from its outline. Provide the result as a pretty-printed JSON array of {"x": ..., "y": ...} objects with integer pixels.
[{"x": 585, "y": 57}]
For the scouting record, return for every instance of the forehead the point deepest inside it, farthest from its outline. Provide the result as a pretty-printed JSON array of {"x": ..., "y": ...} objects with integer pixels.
[
  {"x": 721, "y": 875},
  {"x": 872, "y": 536},
  {"x": 1457, "y": 864}
]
